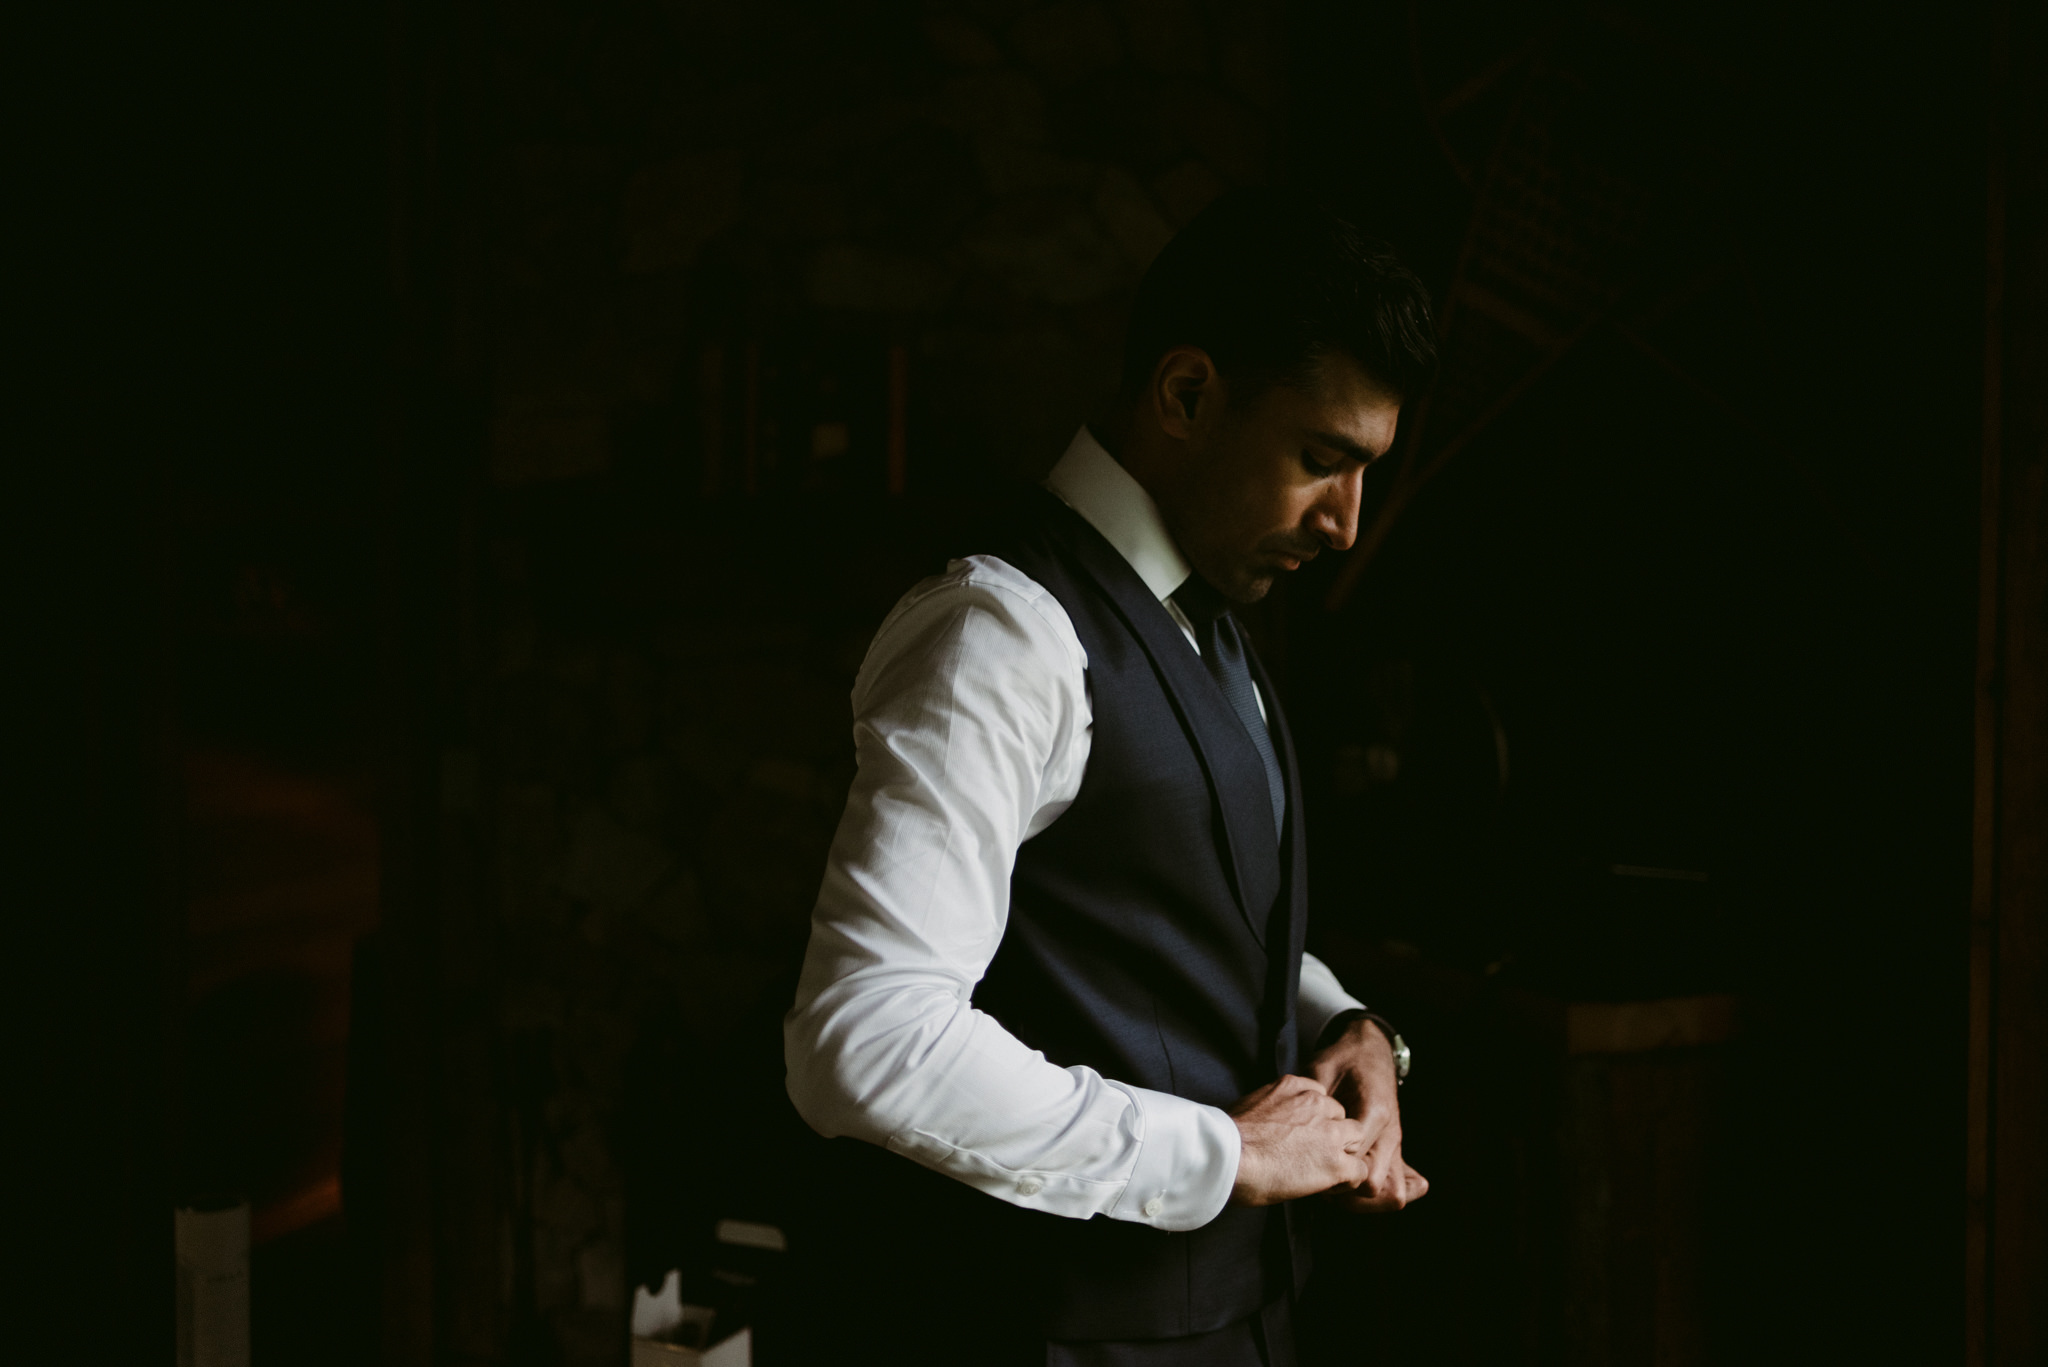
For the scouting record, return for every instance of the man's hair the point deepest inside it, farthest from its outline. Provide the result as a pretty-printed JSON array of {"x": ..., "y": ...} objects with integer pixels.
[{"x": 1269, "y": 282}]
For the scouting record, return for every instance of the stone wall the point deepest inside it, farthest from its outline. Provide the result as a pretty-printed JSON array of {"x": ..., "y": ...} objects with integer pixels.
[{"x": 731, "y": 254}]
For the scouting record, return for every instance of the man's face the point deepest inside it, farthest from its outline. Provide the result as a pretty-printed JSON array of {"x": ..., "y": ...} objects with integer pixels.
[{"x": 1266, "y": 484}]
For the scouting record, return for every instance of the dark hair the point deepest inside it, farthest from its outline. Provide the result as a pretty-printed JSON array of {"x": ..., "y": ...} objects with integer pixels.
[{"x": 1268, "y": 282}]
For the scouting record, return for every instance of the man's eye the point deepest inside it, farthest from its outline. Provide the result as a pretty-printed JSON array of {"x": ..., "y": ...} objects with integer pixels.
[{"x": 1315, "y": 466}]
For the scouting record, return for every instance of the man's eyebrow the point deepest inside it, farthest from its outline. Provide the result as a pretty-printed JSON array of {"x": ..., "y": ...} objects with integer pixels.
[{"x": 1344, "y": 444}]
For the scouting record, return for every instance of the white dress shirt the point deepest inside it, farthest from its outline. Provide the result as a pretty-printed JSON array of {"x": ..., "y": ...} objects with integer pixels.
[{"x": 972, "y": 728}]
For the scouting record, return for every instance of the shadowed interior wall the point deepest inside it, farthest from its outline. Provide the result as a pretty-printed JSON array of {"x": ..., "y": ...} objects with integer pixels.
[
  {"x": 750, "y": 305},
  {"x": 679, "y": 293},
  {"x": 683, "y": 252}
]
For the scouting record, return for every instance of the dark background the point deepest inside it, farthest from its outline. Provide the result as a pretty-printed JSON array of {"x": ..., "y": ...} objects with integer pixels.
[{"x": 421, "y": 560}]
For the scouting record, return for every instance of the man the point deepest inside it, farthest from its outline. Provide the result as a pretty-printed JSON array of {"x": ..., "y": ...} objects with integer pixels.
[{"x": 1057, "y": 957}]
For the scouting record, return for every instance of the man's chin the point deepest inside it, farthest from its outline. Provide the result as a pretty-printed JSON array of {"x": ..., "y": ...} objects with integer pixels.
[
  {"x": 1256, "y": 579},
  {"x": 1252, "y": 587}
]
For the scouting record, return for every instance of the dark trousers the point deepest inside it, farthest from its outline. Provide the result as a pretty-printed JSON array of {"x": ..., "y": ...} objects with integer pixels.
[
  {"x": 1262, "y": 1340},
  {"x": 878, "y": 1274}
]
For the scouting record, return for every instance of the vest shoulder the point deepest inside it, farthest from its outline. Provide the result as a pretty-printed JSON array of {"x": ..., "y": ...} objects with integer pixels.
[{"x": 1038, "y": 537}]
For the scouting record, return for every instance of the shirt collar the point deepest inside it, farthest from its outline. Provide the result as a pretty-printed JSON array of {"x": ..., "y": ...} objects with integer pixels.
[{"x": 1089, "y": 480}]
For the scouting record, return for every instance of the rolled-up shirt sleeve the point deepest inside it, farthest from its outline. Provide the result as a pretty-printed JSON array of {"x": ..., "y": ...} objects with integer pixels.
[{"x": 971, "y": 726}]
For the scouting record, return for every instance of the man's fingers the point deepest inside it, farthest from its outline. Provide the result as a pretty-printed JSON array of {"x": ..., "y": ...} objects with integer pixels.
[
  {"x": 1278, "y": 1096},
  {"x": 1378, "y": 1118},
  {"x": 1308, "y": 1103},
  {"x": 1305, "y": 1108},
  {"x": 1299, "y": 1140},
  {"x": 1295, "y": 1082},
  {"x": 1358, "y": 1203},
  {"x": 1403, "y": 1187},
  {"x": 1383, "y": 1162},
  {"x": 1353, "y": 1163}
]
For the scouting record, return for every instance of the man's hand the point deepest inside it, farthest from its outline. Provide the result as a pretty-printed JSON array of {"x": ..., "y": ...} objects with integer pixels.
[
  {"x": 1357, "y": 1071},
  {"x": 1297, "y": 1142}
]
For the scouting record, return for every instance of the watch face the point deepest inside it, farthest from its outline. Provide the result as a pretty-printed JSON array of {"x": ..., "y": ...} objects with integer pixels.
[{"x": 1400, "y": 1057}]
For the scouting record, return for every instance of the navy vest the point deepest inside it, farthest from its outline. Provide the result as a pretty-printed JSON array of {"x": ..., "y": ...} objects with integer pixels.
[{"x": 1155, "y": 934}]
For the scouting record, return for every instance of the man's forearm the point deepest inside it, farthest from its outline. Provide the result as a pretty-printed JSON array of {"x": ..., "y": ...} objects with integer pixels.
[{"x": 925, "y": 1075}]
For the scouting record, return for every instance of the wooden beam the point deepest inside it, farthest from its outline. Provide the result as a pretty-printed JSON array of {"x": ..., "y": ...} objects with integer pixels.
[
  {"x": 1984, "y": 798},
  {"x": 2006, "y": 1227}
]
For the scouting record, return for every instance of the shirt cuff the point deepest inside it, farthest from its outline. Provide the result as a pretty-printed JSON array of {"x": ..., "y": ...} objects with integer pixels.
[
  {"x": 1187, "y": 1162},
  {"x": 1317, "y": 1003}
]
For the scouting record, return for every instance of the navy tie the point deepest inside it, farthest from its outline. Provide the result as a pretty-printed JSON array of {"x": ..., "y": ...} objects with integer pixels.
[{"x": 1223, "y": 652}]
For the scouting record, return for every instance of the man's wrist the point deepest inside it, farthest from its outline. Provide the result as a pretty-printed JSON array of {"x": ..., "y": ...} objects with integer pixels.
[
  {"x": 1340, "y": 1023},
  {"x": 1334, "y": 1028}
]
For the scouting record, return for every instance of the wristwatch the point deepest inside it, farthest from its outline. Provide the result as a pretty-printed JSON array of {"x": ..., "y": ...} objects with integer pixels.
[{"x": 1342, "y": 1020}]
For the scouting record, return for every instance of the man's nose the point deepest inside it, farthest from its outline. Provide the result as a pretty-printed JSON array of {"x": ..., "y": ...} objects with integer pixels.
[{"x": 1334, "y": 517}]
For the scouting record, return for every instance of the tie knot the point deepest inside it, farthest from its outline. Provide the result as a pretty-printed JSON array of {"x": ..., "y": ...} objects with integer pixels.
[{"x": 1200, "y": 601}]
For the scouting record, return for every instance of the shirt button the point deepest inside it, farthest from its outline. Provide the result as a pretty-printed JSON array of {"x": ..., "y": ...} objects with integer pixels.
[
  {"x": 1153, "y": 1207},
  {"x": 1030, "y": 1186}
]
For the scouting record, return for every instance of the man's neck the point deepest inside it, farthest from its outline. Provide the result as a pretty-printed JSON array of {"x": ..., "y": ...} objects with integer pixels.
[{"x": 1113, "y": 431}]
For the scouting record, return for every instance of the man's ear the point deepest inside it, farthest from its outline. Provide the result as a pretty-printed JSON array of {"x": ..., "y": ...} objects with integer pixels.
[{"x": 1184, "y": 381}]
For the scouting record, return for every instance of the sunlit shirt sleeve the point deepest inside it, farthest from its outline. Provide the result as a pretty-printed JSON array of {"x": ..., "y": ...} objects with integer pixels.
[
  {"x": 971, "y": 727},
  {"x": 1317, "y": 1003}
]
